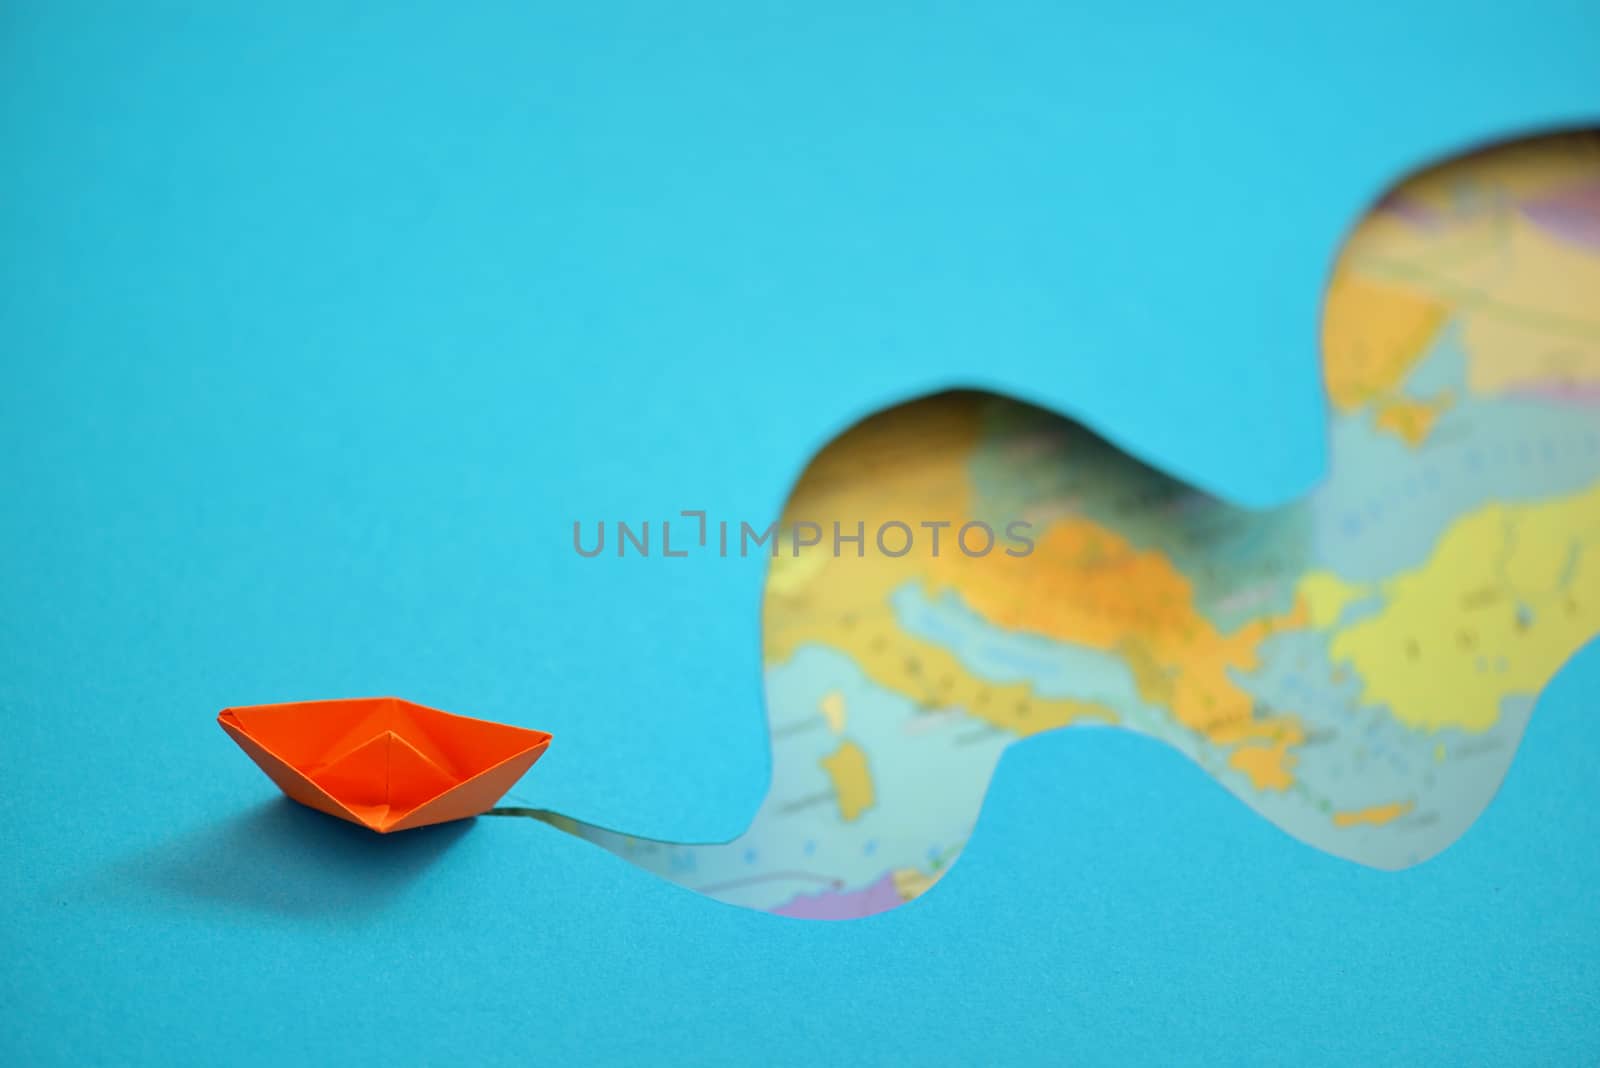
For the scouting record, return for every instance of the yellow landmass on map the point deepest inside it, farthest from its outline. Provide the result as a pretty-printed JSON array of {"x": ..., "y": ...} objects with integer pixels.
[
  {"x": 1457, "y": 245},
  {"x": 1082, "y": 584},
  {"x": 1411, "y": 420},
  {"x": 1540, "y": 328},
  {"x": 1373, "y": 816},
  {"x": 911, "y": 469},
  {"x": 911, "y": 883},
  {"x": 927, "y": 673},
  {"x": 852, "y": 780},
  {"x": 1326, "y": 597},
  {"x": 832, "y": 708},
  {"x": 1524, "y": 298},
  {"x": 1509, "y": 593},
  {"x": 1270, "y": 767},
  {"x": 789, "y": 571},
  {"x": 1372, "y": 335},
  {"x": 1087, "y": 585}
]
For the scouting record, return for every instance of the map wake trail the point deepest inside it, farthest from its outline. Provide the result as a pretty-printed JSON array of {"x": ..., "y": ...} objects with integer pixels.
[{"x": 1357, "y": 666}]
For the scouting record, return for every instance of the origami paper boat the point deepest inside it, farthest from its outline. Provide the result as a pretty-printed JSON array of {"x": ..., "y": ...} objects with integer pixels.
[{"x": 382, "y": 762}]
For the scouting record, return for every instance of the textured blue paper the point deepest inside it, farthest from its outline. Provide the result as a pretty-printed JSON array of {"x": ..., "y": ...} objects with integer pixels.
[
  {"x": 319, "y": 328},
  {"x": 1152, "y": 917}
]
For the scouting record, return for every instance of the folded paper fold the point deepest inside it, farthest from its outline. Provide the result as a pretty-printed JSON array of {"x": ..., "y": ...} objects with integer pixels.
[{"x": 384, "y": 763}]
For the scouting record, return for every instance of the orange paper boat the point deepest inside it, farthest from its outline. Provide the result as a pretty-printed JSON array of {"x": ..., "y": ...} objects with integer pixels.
[{"x": 382, "y": 762}]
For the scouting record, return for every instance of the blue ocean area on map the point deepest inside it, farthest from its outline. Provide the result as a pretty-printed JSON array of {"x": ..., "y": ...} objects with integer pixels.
[{"x": 1514, "y": 451}]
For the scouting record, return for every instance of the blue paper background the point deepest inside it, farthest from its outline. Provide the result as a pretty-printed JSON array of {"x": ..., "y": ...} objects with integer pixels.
[
  {"x": 1114, "y": 904},
  {"x": 319, "y": 326}
]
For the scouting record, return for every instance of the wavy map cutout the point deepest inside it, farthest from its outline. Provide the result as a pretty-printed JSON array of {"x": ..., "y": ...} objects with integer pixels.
[{"x": 1358, "y": 666}]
